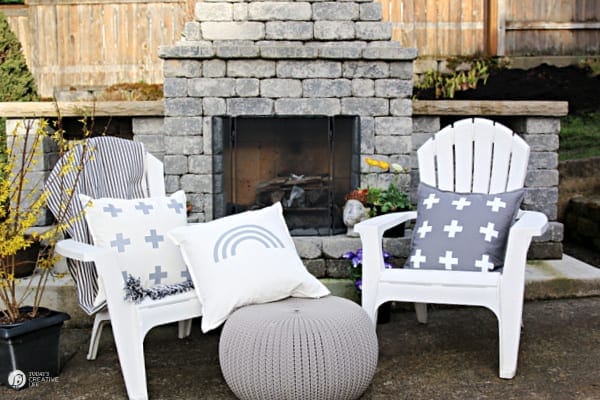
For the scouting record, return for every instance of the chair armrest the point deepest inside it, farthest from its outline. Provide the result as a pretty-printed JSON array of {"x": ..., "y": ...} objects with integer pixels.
[
  {"x": 371, "y": 234},
  {"x": 80, "y": 251},
  {"x": 378, "y": 225},
  {"x": 528, "y": 225},
  {"x": 106, "y": 262},
  {"x": 531, "y": 223}
]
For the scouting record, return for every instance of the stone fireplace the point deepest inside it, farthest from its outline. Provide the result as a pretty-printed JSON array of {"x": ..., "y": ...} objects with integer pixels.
[
  {"x": 313, "y": 59},
  {"x": 308, "y": 163},
  {"x": 320, "y": 61}
]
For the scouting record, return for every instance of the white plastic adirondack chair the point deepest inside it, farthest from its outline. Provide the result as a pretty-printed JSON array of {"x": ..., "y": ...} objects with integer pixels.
[
  {"x": 131, "y": 322},
  {"x": 470, "y": 156}
]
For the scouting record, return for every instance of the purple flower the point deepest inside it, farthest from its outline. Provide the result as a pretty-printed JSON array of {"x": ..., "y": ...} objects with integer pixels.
[
  {"x": 356, "y": 257},
  {"x": 358, "y": 284},
  {"x": 348, "y": 255}
]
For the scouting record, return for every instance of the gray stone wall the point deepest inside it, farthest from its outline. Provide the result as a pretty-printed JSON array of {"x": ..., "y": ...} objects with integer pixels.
[
  {"x": 282, "y": 58},
  {"x": 311, "y": 57}
]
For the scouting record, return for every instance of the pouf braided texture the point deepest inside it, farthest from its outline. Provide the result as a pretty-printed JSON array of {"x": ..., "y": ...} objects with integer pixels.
[{"x": 299, "y": 348}]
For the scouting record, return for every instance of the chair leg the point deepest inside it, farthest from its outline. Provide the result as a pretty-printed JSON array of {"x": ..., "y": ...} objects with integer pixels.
[
  {"x": 368, "y": 304},
  {"x": 130, "y": 347},
  {"x": 421, "y": 311},
  {"x": 509, "y": 326},
  {"x": 184, "y": 328},
  {"x": 100, "y": 320}
]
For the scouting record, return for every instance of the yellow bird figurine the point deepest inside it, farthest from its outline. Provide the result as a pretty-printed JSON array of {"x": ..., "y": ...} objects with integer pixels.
[{"x": 377, "y": 163}]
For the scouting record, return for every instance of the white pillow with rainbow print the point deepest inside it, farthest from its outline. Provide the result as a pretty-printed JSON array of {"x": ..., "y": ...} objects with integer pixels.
[{"x": 242, "y": 259}]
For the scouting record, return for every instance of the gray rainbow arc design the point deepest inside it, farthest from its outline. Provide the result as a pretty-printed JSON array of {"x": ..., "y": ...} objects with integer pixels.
[{"x": 228, "y": 242}]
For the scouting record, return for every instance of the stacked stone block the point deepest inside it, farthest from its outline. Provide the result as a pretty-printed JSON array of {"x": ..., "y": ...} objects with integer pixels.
[
  {"x": 314, "y": 58},
  {"x": 284, "y": 58}
]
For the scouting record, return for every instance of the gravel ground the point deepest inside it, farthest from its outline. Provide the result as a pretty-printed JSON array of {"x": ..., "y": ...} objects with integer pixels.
[{"x": 455, "y": 356}]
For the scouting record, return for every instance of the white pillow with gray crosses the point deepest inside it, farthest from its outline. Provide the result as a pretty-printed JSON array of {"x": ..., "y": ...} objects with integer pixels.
[
  {"x": 462, "y": 231},
  {"x": 136, "y": 230}
]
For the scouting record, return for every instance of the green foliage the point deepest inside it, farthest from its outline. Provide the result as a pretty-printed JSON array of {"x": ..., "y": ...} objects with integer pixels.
[
  {"x": 580, "y": 136},
  {"x": 387, "y": 200},
  {"x": 593, "y": 63},
  {"x": 392, "y": 199},
  {"x": 16, "y": 82},
  {"x": 465, "y": 73}
]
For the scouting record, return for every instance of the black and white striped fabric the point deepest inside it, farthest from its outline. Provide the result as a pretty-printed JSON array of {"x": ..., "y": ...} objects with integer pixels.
[{"x": 113, "y": 167}]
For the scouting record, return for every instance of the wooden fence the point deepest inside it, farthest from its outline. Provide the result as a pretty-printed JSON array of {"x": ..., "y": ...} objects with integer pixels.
[
  {"x": 101, "y": 42},
  {"x": 557, "y": 27},
  {"x": 86, "y": 43},
  {"x": 442, "y": 28}
]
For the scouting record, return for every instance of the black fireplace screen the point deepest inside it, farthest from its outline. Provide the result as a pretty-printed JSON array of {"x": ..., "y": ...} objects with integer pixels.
[{"x": 308, "y": 163}]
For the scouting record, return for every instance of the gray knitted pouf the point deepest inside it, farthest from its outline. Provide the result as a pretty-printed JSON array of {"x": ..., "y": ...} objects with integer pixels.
[{"x": 299, "y": 349}]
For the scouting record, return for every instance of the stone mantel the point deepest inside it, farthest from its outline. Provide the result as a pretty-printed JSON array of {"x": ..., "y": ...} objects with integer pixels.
[
  {"x": 49, "y": 109},
  {"x": 156, "y": 108},
  {"x": 507, "y": 108}
]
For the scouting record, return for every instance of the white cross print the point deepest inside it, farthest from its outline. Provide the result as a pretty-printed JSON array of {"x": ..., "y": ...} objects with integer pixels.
[
  {"x": 489, "y": 232},
  {"x": 453, "y": 228},
  {"x": 496, "y": 205},
  {"x": 424, "y": 229},
  {"x": 484, "y": 263},
  {"x": 461, "y": 203},
  {"x": 431, "y": 200},
  {"x": 417, "y": 259},
  {"x": 448, "y": 260}
]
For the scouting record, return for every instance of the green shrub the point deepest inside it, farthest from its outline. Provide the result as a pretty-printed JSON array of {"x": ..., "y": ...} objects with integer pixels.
[{"x": 16, "y": 82}]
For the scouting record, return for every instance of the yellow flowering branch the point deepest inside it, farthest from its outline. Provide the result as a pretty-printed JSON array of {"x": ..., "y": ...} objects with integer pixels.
[{"x": 22, "y": 198}]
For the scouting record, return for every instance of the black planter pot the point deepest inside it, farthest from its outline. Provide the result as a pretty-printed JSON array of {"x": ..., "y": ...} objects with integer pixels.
[
  {"x": 384, "y": 313},
  {"x": 395, "y": 232},
  {"x": 31, "y": 347}
]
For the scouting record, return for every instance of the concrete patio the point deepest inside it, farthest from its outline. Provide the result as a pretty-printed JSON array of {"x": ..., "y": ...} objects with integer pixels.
[{"x": 455, "y": 356}]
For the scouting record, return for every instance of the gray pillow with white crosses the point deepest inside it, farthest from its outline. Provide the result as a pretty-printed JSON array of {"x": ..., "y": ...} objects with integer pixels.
[
  {"x": 462, "y": 231},
  {"x": 136, "y": 230}
]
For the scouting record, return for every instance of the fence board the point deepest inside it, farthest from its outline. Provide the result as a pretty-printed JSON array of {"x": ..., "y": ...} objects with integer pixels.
[
  {"x": 17, "y": 18},
  {"x": 437, "y": 27},
  {"x": 98, "y": 42},
  {"x": 442, "y": 28},
  {"x": 101, "y": 42},
  {"x": 552, "y": 27}
]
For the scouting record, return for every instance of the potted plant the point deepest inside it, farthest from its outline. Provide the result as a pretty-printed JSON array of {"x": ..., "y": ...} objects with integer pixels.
[
  {"x": 355, "y": 273},
  {"x": 29, "y": 333},
  {"x": 382, "y": 201}
]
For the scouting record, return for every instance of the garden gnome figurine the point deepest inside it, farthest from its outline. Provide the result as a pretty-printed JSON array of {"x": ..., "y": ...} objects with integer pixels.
[{"x": 354, "y": 212}]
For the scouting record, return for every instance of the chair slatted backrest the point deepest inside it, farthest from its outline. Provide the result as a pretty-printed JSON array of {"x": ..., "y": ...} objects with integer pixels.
[
  {"x": 474, "y": 155},
  {"x": 112, "y": 167}
]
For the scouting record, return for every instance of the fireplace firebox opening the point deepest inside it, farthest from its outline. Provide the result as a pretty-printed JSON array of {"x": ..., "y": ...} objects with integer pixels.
[{"x": 308, "y": 163}]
